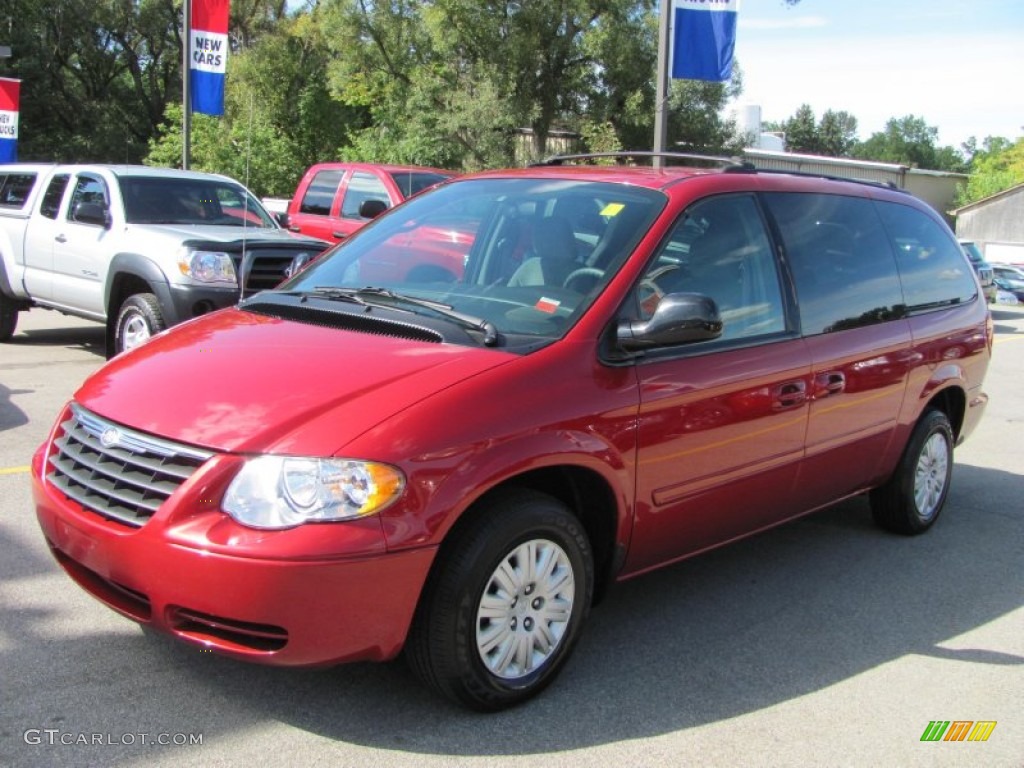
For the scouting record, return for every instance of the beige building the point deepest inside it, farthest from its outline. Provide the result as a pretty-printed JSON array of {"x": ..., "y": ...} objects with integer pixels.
[{"x": 996, "y": 224}]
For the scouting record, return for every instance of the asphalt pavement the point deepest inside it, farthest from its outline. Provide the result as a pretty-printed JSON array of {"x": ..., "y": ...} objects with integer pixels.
[{"x": 825, "y": 642}]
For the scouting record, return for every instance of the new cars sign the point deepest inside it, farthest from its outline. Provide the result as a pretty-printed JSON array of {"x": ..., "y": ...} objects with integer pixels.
[
  {"x": 9, "y": 89},
  {"x": 209, "y": 55}
]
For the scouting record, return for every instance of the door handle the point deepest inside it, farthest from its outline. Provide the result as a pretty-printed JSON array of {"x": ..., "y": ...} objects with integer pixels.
[
  {"x": 61, "y": 238},
  {"x": 831, "y": 383},
  {"x": 339, "y": 235},
  {"x": 790, "y": 394}
]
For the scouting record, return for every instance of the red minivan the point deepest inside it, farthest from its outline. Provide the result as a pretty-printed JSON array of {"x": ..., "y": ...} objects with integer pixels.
[{"x": 635, "y": 365}]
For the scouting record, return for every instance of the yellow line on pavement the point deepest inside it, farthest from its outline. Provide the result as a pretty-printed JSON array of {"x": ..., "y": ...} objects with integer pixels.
[{"x": 13, "y": 470}]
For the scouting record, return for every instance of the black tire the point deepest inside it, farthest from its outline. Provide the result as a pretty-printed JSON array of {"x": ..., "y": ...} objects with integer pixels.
[
  {"x": 8, "y": 319},
  {"x": 457, "y": 651},
  {"x": 911, "y": 500},
  {"x": 138, "y": 319}
]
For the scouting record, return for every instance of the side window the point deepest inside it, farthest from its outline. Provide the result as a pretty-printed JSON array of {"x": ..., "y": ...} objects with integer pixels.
[
  {"x": 14, "y": 189},
  {"x": 934, "y": 270},
  {"x": 50, "y": 205},
  {"x": 362, "y": 187},
  {"x": 320, "y": 193},
  {"x": 719, "y": 248},
  {"x": 842, "y": 262},
  {"x": 88, "y": 189}
]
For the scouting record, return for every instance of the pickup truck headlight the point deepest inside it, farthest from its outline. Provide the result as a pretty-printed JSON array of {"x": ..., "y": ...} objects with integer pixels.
[
  {"x": 284, "y": 491},
  {"x": 207, "y": 266}
]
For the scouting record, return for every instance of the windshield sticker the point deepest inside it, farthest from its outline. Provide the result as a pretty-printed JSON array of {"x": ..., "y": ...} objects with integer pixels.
[
  {"x": 545, "y": 304},
  {"x": 612, "y": 209}
]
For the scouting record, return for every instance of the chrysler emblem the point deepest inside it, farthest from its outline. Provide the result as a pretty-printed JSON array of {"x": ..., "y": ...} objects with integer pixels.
[{"x": 111, "y": 437}]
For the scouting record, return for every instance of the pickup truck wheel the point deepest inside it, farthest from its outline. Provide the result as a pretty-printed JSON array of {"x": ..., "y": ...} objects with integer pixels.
[
  {"x": 8, "y": 320},
  {"x": 138, "y": 319},
  {"x": 506, "y": 604},
  {"x": 910, "y": 501}
]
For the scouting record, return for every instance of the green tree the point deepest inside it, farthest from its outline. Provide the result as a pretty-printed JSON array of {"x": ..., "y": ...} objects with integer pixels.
[
  {"x": 910, "y": 141},
  {"x": 996, "y": 167},
  {"x": 96, "y": 75}
]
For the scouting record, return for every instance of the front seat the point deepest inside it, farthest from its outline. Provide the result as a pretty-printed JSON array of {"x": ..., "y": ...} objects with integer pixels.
[{"x": 554, "y": 246}]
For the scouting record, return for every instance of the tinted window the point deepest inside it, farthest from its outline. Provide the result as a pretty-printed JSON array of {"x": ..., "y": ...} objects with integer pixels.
[
  {"x": 14, "y": 189},
  {"x": 362, "y": 187},
  {"x": 414, "y": 182},
  {"x": 719, "y": 248},
  {"x": 320, "y": 193},
  {"x": 50, "y": 205},
  {"x": 934, "y": 269},
  {"x": 841, "y": 260}
]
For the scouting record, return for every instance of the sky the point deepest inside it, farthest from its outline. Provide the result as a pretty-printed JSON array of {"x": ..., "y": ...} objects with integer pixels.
[{"x": 958, "y": 64}]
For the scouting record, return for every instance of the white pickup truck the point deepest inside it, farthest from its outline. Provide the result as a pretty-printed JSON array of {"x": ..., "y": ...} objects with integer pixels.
[{"x": 136, "y": 248}]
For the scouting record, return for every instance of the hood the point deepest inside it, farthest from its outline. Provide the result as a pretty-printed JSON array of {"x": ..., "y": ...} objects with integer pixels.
[
  {"x": 179, "y": 233},
  {"x": 240, "y": 382}
]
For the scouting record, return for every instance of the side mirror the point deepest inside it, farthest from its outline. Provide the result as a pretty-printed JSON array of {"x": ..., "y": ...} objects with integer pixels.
[
  {"x": 282, "y": 218},
  {"x": 371, "y": 209},
  {"x": 681, "y": 318},
  {"x": 91, "y": 213}
]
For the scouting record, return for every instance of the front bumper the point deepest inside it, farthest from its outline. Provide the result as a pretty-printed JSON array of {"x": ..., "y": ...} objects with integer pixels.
[{"x": 269, "y": 603}]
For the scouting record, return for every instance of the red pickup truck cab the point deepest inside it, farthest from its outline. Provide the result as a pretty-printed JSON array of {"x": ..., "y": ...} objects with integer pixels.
[
  {"x": 328, "y": 203},
  {"x": 373, "y": 458}
]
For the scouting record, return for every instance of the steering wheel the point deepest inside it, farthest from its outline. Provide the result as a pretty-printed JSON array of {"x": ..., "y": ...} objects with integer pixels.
[{"x": 581, "y": 275}]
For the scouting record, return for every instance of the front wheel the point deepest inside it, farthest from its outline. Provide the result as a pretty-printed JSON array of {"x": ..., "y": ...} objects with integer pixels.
[
  {"x": 910, "y": 501},
  {"x": 504, "y": 609},
  {"x": 138, "y": 319}
]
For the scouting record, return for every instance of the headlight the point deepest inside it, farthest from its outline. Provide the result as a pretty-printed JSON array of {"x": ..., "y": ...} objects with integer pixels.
[
  {"x": 207, "y": 266},
  {"x": 283, "y": 491}
]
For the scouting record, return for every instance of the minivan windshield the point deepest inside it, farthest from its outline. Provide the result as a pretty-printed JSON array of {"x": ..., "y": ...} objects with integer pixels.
[{"x": 524, "y": 256}]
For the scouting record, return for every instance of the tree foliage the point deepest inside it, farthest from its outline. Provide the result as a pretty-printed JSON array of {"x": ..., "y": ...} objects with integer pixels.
[{"x": 997, "y": 166}]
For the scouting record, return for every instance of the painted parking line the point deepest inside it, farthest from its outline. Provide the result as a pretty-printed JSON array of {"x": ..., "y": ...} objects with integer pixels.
[{"x": 14, "y": 470}]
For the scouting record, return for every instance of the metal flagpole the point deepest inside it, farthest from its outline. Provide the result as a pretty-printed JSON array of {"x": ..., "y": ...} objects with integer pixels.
[
  {"x": 661, "y": 87},
  {"x": 186, "y": 89}
]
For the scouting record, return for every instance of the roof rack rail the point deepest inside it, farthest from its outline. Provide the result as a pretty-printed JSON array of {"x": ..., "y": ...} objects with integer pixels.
[
  {"x": 750, "y": 168},
  {"x": 729, "y": 163}
]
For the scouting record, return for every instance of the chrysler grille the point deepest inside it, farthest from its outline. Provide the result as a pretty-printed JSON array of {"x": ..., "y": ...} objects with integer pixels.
[{"x": 117, "y": 472}]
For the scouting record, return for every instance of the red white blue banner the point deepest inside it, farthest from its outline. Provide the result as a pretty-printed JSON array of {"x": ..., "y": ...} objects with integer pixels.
[
  {"x": 703, "y": 39},
  {"x": 9, "y": 92},
  {"x": 208, "y": 58}
]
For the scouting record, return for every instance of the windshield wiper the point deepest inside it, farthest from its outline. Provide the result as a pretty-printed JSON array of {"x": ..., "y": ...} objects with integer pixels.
[{"x": 486, "y": 327}]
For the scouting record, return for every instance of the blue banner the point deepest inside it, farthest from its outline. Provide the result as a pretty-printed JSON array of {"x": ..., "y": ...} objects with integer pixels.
[{"x": 703, "y": 39}]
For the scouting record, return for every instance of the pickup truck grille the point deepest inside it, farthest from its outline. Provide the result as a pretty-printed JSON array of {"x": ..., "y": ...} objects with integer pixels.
[
  {"x": 264, "y": 266},
  {"x": 117, "y": 472}
]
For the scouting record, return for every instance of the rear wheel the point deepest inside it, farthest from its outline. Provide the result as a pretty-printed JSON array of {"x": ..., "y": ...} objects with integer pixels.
[
  {"x": 8, "y": 319},
  {"x": 138, "y": 319},
  {"x": 911, "y": 500},
  {"x": 504, "y": 609}
]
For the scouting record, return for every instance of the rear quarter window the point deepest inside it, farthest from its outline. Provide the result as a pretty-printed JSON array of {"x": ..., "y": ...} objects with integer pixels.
[
  {"x": 933, "y": 267},
  {"x": 841, "y": 259},
  {"x": 15, "y": 189}
]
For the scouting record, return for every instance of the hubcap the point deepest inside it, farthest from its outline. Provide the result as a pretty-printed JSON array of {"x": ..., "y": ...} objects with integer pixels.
[
  {"x": 930, "y": 477},
  {"x": 525, "y": 609},
  {"x": 134, "y": 331}
]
